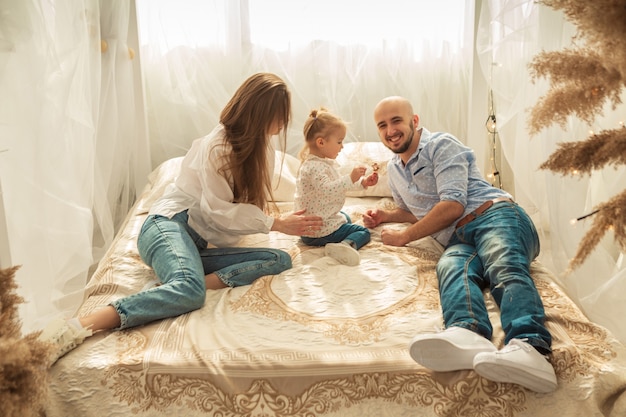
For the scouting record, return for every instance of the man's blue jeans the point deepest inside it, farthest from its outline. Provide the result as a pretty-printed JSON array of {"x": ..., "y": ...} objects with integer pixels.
[
  {"x": 495, "y": 250},
  {"x": 356, "y": 235},
  {"x": 180, "y": 259}
]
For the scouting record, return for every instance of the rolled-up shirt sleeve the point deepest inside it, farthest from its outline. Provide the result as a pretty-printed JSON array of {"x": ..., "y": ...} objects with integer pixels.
[
  {"x": 441, "y": 169},
  {"x": 451, "y": 161}
]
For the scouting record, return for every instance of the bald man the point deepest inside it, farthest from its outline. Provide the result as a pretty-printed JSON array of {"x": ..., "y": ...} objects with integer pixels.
[{"x": 489, "y": 242}]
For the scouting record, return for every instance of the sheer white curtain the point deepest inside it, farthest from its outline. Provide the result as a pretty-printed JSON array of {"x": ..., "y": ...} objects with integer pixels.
[
  {"x": 74, "y": 159},
  {"x": 344, "y": 55},
  {"x": 511, "y": 33},
  {"x": 71, "y": 113},
  {"x": 72, "y": 116}
]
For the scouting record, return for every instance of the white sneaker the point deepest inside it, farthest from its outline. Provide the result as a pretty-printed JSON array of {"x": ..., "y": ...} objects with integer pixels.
[
  {"x": 343, "y": 253},
  {"x": 451, "y": 350},
  {"x": 517, "y": 363},
  {"x": 64, "y": 335}
]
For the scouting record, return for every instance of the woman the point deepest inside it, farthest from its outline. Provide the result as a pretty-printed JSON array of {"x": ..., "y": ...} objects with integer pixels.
[{"x": 221, "y": 194}]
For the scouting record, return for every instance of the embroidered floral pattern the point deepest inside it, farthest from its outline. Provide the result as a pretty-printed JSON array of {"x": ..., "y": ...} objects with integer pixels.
[
  {"x": 169, "y": 368},
  {"x": 472, "y": 396}
]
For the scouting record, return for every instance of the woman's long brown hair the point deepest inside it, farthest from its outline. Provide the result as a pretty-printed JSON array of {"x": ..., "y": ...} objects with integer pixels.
[{"x": 247, "y": 118}]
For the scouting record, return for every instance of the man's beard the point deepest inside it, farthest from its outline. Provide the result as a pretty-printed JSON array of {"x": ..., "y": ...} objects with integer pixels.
[{"x": 407, "y": 144}]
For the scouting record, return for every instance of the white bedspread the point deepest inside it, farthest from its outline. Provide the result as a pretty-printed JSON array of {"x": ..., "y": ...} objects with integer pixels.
[{"x": 321, "y": 339}]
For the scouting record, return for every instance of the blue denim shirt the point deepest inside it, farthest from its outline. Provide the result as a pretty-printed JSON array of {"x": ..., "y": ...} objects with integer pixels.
[{"x": 441, "y": 169}]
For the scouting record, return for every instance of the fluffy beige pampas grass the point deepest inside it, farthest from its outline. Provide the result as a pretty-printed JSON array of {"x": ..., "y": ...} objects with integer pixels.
[
  {"x": 23, "y": 359},
  {"x": 582, "y": 80}
]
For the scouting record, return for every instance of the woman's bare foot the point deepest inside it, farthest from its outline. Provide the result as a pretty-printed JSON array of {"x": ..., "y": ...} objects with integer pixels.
[{"x": 213, "y": 282}]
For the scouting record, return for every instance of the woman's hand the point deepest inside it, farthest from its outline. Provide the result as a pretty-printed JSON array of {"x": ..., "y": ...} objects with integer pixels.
[{"x": 297, "y": 224}]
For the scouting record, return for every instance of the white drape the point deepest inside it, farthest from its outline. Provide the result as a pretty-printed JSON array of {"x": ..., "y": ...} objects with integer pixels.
[
  {"x": 74, "y": 158},
  {"x": 343, "y": 55},
  {"x": 511, "y": 33},
  {"x": 71, "y": 114}
]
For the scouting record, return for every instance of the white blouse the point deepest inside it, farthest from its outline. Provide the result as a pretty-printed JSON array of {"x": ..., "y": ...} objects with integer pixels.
[{"x": 208, "y": 195}]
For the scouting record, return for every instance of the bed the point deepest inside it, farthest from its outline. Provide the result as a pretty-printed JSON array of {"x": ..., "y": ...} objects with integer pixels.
[{"x": 321, "y": 339}]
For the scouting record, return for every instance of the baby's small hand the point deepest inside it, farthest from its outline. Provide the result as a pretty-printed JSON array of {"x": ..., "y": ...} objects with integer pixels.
[
  {"x": 357, "y": 173},
  {"x": 370, "y": 180}
]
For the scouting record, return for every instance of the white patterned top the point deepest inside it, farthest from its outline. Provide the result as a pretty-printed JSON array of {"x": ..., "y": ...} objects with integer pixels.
[{"x": 321, "y": 190}]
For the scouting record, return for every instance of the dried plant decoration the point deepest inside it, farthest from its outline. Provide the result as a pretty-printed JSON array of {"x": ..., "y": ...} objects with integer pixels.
[
  {"x": 602, "y": 149},
  {"x": 608, "y": 215},
  {"x": 582, "y": 80},
  {"x": 23, "y": 359},
  {"x": 580, "y": 85}
]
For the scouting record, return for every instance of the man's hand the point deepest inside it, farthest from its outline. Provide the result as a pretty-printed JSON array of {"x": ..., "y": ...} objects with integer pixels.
[
  {"x": 394, "y": 237},
  {"x": 373, "y": 217}
]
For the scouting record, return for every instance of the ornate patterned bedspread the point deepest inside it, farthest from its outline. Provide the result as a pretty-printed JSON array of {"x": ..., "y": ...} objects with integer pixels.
[{"x": 321, "y": 339}]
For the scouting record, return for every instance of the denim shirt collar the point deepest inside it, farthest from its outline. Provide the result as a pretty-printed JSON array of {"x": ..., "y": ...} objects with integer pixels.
[{"x": 424, "y": 136}]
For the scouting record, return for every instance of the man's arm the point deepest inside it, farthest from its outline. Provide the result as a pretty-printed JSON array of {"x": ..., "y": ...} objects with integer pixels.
[
  {"x": 374, "y": 217},
  {"x": 399, "y": 215},
  {"x": 442, "y": 215}
]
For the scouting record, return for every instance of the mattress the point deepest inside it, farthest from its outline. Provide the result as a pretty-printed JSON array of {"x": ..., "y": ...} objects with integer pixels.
[{"x": 320, "y": 339}]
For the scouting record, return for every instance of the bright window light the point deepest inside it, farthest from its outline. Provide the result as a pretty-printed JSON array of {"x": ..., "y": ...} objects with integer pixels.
[
  {"x": 192, "y": 23},
  {"x": 279, "y": 24},
  {"x": 283, "y": 24}
]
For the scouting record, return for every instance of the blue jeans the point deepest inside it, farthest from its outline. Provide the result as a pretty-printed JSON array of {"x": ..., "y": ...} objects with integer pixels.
[
  {"x": 356, "y": 235},
  {"x": 495, "y": 250},
  {"x": 180, "y": 260}
]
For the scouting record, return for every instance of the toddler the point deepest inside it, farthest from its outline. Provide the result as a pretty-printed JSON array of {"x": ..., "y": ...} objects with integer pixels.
[{"x": 321, "y": 189}]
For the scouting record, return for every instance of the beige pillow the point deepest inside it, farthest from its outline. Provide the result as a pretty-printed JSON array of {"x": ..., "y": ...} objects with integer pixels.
[{"x": 366, "y": 154}]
